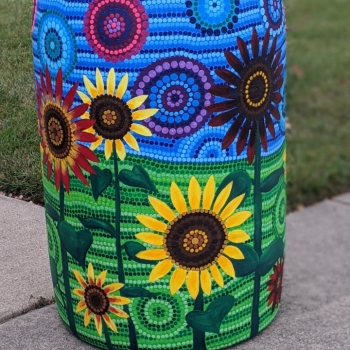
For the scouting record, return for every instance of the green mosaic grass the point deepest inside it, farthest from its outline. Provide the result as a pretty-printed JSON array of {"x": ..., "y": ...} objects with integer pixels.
[{"x": 159, "y": 320}]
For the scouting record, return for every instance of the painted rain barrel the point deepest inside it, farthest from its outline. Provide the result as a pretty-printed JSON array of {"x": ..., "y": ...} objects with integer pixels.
[{"x": 163, "y": 156}]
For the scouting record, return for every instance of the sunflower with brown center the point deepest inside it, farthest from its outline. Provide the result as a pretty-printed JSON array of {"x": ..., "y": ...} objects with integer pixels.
[
  {"x": 275, "y": 285},
  {"x": 252, "y": 94},
  {"x": 195, "y": 240},
  {"x": 60, "y": 132},
  {"x": 97, "y": 300},
  {"x": 115, "y": 119}
]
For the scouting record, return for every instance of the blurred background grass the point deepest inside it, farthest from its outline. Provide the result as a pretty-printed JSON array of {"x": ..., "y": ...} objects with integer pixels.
[{"x": 318, "y": 96}]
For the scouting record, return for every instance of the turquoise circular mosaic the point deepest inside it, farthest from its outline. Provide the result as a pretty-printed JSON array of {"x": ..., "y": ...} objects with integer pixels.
[{"x": 56, "y": 43}]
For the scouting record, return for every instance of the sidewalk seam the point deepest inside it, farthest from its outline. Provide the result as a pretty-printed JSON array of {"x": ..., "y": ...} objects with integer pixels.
[
  {"x": 37, "y": 305},
  {"x": 341, "y": 202}
]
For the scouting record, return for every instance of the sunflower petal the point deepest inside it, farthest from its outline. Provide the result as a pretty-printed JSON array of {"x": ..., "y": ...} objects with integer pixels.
[
  {"x": 98, "y": 324},
  {"x": 222, "y": 198},
  {"x": 113, "y": 287},
  {"x": 101, "y": 278},
  {"x": 79, "y": 292},
  {"x": 99, "y": 83},
  {"x": 192, "y": 282},
  {"x": 232, "y": 132},
  {"x": 152, "y": 223},
  {"x": 143, "y": 114},
  {"x": 152, "y": 254},
  {"x": 97, "y": 143},
  {"x": 91, "y": 274},
  {"x": 150, "y": 238},
  {"x": 255, "y": 44},
  {"x": 90, "y": 87},
  {"x": 209, "y": 193},
  {"x": 227, "y": 266},
  {"x": 81, "y": 306},
  {"x": 118, "y": 312},
  {"x": 87, "y": 317},
  {"x": 122, "y": 86},
  {"x": 110, "y": 324},
  {"x": 140, "y": 129},
  {"x": 119, "y": 300},
  {"x": 111, "y": 82},
  {"x": 120, "y": 149},
  {"x": 234, "y": 61},
  {"x": 231, "y": 207},
  {"x": 84, "y": 98},
  {"x": 80, "y": 278},
  {"x": 238, "y": 236},
  {"x": 58, "y": 87},
  {"x": 242, "y": 46},
  {"x": 177, "y": 198},
  {"x": 57, "y": 174},
  {"x": 206, "y": 282},
  {"x": 131, "y": 141},
  {"x": 65, "y": 176},
  {"x": 137, "y": 101},
  {"x": 177, "y": 280},
  {"x": 223, "y": 118},
  {"x": 108, "y": 148},
  {"x": 160, "y": 270},
  {"x": 194, "y": 193},
  {"x": 215, "y": 272},
  {"x": 238, "y": 219},
  {"x": 162, "y": 209},
  {"x": 233, "y": 253}
]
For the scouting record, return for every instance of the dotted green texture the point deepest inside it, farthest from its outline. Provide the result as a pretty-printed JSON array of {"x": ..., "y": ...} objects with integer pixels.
[{"x": 160, "y": 322}]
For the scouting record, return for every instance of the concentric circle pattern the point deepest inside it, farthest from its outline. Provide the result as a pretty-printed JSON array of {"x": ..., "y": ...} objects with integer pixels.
[
  {"x": 272, "y": 12},
  {"x": 56, "y": 43},
  {"x": 116, "y": 29},
  {"x": 178, "y": 86},
  {"x": 213, "y": 17}
]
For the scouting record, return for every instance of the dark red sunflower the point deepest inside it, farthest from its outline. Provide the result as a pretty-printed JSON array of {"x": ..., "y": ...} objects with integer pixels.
[
  {"x": 60, "y": 132},
  {"x": 275, "y": 285},
  {"x": 252, "y": 94}
]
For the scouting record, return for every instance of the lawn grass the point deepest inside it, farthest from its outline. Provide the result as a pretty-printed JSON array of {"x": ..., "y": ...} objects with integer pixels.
[
  {"x": 19, "y": 141},
  {"x": 318, "y": 101}
]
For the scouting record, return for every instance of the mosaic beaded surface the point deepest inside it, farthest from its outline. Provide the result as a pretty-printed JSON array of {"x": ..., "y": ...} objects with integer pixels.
[{"x": 163, "y": 152}]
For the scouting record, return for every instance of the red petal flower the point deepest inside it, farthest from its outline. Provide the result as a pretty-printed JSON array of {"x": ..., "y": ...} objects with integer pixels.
[{"x": 60, "y": 135}]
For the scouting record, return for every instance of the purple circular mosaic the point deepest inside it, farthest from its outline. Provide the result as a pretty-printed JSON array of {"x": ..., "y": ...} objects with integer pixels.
[{"x": 178, "y": 87}]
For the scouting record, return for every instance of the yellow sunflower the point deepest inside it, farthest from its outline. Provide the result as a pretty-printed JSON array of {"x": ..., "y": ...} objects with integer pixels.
[
  {"x": 195, "y": 240},
  {"x": 98, "y": 301},
  {"x": 115, "y": 119}
]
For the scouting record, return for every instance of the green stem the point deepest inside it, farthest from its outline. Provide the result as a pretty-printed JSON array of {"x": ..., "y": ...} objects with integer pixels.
[
  {"x": 118, "y": 246},
  {"x": 257, "y": 232},
  {"x": 107, "y": 336},
  {"x": 199, "y": 336},
  {"x": 67, "y": 289}
]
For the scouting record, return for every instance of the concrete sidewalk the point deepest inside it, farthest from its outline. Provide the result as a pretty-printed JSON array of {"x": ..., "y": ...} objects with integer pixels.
[{"x": 315, "y": 311}]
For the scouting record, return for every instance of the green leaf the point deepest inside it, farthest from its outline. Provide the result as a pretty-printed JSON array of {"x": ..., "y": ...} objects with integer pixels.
[
  {"x": 100, "y": 181},
  {"x": 241, "y": 184},
  {"x": 132, "y": 248},
  {"x": 272, "y": 180},
  {"x": 75, "y": 243},
  {"x": 52, "y": 212},
  {"x": 211, "y": 319},
  {"x": 94, "y": 223},
  {"x": 53, "y": 269},
  {"x": 137, "y": 177},
  {"x": 270, "y": 256},
  {"x": 249, "y": 264},
  {"x": 137, "y": 292}
]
